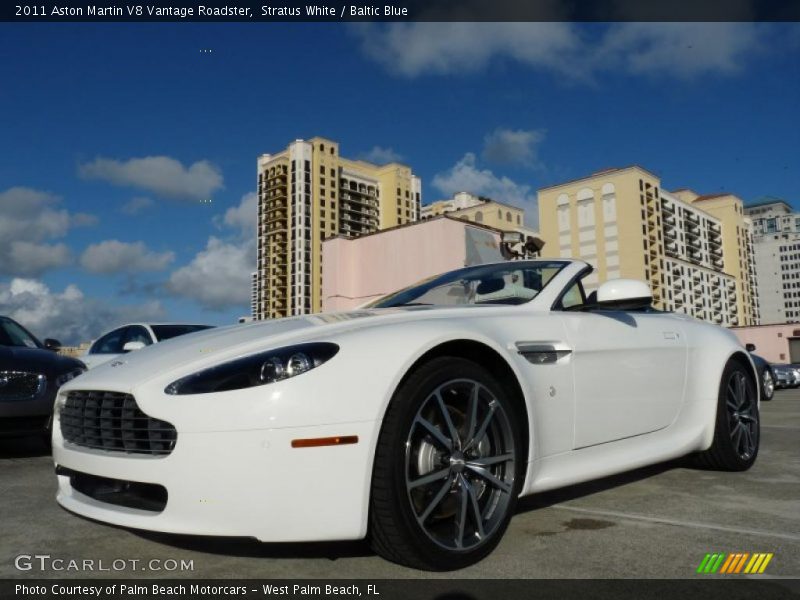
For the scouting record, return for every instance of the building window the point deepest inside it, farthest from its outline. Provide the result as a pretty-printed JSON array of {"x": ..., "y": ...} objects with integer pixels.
[
  {"x": 508, "y": 217},
  {"x": 479, "y": 217}
]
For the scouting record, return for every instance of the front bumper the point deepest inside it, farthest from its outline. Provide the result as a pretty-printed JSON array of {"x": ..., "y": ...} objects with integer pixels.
[{"x": 240, "y": 483}]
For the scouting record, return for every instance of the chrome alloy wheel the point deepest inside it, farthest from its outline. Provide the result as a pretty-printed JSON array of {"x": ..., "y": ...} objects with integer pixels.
[
  {"x": 742, "y": 415},
  {"x": 460, "y": 462},
  {"x": 768, "y": 384}
]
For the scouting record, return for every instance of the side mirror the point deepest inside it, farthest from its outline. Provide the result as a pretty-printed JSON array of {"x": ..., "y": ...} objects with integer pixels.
[
  {"x": 52, "y": 344},
  {"x": 750, "y": 347},
  {"x": 624, "y": 294},
  {"x": 133, "y": 346}
]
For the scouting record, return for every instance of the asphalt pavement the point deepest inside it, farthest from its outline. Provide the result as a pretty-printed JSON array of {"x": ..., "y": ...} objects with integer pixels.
[{"x": 657, "y": 522}]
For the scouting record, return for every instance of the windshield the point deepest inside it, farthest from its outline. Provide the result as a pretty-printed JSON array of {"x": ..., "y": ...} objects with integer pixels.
[
  {"x": 12, "y": 334},
  {"x": 165, "y": 332},
  {"x": 506, "y": 283}
]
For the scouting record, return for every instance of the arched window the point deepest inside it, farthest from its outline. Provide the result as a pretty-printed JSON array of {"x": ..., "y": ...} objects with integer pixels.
[
  {"x": 508, "y": 216},
  {"x": 500, "y": 214},
  {"x": 479, "y": 217}
]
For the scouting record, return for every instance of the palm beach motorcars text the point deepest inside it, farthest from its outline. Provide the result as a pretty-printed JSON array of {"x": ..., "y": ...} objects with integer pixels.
[
  {"x": 418, "y": 420},
  {"x": 155, "y": 589}
]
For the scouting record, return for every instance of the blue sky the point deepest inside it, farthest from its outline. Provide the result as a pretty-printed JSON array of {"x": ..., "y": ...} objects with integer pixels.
[{"x": 115, "y": 137}]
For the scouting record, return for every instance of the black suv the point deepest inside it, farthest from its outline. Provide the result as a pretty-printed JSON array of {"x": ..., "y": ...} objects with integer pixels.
[{"x": 30, "y": 375}]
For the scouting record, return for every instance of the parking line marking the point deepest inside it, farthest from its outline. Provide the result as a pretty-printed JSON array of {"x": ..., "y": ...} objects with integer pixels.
[{"x": 691, "y": 524}]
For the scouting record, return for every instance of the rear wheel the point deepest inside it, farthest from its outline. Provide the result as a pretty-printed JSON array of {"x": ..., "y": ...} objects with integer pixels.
[
  {"x": 737, "y": 430},
  {"x": 447, "y": 468}
]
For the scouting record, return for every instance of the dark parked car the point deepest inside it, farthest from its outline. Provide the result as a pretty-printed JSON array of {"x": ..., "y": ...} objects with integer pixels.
[
  {"x": 765, "y": 373},
  {"x": 30, "y": 375}
]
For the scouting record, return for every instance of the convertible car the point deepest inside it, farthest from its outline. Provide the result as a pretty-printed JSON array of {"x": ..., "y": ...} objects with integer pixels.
[{"x": 416, "y": 421}]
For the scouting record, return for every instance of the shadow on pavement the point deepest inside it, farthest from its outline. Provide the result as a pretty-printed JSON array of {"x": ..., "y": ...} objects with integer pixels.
[
  {"x": 573, "y": 492},
  {"x": 23, "y": 447},
  {"x": 251, "y": 548}
]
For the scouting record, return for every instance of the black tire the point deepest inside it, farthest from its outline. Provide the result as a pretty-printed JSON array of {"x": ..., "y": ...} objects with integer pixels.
[
  {"x": 408, "y": 525},
  {"x": 737, "y": 425}
]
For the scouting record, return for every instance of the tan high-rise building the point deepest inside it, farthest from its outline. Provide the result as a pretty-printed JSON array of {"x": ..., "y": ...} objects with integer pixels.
[
  {"x": 694, "y": 251},
  {"x": 307, "y": 193}
]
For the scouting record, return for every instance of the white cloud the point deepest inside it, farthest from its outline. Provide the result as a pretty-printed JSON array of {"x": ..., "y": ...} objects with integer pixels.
[
  {"x": 68, "y": 315},
  {"x": 412, "y": 49},
  {"x": 681, "y": 50},
  {"x": 466, "y": 176},
  {"x": 218, "y": 277},
  {"x": 158, "y": 174},
  {"x": 381, "y": 156},
  {"x": 38, "y": 258},
  {"x": 112, "y": 256},
  {"x": 28, "y": 219},
  {"x": 669, "y": 49},
  {"x": 243, "y": 216},
  {"x": 136, "y": 205},
  {"x": 513, "y": 147}
]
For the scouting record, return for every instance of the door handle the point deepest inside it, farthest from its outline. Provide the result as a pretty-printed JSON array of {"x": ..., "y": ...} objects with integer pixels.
[{"x": 671, "y": 335}]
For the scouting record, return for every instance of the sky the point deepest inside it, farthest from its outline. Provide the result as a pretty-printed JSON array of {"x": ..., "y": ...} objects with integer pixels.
[{"x": 129, "y": 151}]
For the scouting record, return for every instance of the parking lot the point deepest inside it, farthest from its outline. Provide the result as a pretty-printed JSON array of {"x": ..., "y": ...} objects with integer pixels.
[{"x": 652, "y": 523}]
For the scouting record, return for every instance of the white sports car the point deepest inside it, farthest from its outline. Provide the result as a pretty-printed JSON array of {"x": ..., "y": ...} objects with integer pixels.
[{"x": 417, "y": 421}]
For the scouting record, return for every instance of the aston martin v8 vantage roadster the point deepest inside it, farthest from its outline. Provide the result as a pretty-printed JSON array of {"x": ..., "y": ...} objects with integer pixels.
[{"x": 416, "y": 421}]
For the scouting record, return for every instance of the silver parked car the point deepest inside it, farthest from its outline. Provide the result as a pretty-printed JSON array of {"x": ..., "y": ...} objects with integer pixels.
[{"x": 786, "y": 376}]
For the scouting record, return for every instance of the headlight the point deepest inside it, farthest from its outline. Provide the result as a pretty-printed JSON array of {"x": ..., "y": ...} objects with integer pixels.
[
  {"x": 255, "y": 370},
  {"x": 69, "y": 376}
]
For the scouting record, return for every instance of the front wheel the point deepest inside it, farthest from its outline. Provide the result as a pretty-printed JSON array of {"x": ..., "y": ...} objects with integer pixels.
[
  {"x": 447, "y": 468},
  {"x": 768, "y": 385},
  {"x": 737, "y": 428}
]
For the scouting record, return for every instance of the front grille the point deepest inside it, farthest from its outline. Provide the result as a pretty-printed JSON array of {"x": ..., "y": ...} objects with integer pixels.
[
  {"x": 113, "y": 421},
  {"x": 18, "y": 385}
]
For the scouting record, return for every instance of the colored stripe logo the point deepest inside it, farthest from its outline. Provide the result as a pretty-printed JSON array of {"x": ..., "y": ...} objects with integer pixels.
[{"x": 735, "y": 563}]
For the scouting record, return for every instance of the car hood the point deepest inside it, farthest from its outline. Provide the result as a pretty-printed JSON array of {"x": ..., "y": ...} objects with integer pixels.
[
  {"x": 35, "y": 360},
  {"x": 211, "y": 346}
]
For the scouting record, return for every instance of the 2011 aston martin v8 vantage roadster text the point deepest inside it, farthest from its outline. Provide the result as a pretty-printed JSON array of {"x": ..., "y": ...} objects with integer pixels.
[{"x": 416, "y": 421}]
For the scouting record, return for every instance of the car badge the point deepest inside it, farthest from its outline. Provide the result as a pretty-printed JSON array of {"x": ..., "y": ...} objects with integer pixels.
[{"x": 117, "y": 363}]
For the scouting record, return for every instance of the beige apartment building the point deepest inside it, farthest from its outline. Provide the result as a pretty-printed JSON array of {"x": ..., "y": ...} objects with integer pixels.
[
  {"x": 307, "y": 193},
  {"x": 479, "y": 209},
  {"x": 695, "y": 251}
]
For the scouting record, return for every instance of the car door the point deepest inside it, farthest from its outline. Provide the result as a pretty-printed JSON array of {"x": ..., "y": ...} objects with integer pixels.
[{"x": 629, "y": 371}]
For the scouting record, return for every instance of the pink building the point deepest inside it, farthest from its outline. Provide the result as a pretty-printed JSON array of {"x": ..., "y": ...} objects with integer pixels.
[
  {"x": 357, "y": 270},
  {"x": 776, "y": 343}
]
